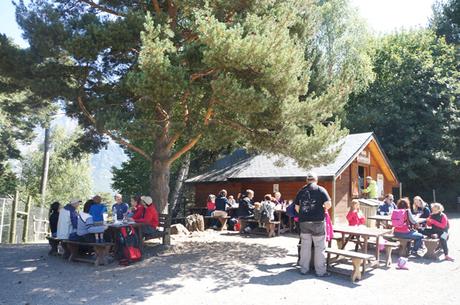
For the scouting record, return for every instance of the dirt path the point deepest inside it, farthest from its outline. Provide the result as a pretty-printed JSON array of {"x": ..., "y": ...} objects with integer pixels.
[{"x": 219, "y": 268}]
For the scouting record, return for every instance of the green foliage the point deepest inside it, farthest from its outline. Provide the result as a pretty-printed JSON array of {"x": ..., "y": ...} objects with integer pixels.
[
  {"x": 413, "y": 107},
  {"x": 8, "y": 180},
  {"x": 270, "y": 74},
  {"x": 67, "y": 178},
  {"x": 20, "y": 109},
  {"x": 446, "y": 20},
  {"x": 132, "y": 177}
]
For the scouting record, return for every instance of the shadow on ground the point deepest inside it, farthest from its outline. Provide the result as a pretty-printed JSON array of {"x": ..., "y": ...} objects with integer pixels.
[{"x": 33, "y": 277}]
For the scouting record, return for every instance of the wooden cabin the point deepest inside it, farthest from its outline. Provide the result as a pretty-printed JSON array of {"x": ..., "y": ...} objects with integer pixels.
[{"x": 361, "y": 155}]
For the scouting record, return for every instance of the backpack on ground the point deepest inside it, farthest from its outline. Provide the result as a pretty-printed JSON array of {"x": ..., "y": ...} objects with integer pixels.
[
  {"x": 129, "y": 244},
  {"x": 398, "y": 218}
]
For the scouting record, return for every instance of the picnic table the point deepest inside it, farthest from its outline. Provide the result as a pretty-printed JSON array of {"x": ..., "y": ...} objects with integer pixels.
[
  {"x": 361, "y": 231},
  {"x": 383, "y": 221}
]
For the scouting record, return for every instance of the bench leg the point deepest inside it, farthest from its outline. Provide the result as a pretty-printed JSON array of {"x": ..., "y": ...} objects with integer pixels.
[
  {"x": 242, "y": 225},
  {"x": 54, "y": 247},
  {"x": 388, "y": 251},
  {"x": 73, "y": 250},
  {"x": 101, "y": 255},
  {"x": 403, "y": 248},
  {"x": 431, "y": 247},
  {"x": 356, "y": 274},
  {"x": 223, "y": 222}
]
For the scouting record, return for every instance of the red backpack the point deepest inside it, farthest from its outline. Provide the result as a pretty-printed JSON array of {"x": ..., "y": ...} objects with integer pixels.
[
  {"x": 398, "y": 218},
  {"x": 129, "y": 244}
]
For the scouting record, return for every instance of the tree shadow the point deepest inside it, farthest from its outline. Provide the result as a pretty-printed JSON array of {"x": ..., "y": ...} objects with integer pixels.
[{"x": 39, "y": 279}]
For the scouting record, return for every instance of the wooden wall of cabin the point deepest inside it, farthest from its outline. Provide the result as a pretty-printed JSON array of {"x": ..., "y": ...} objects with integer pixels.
[
  {"x": 342, "y": 196},
  {"x": 288, "y": 189},
  {"x": 372, "y": 169},
  {"x": 202, "y": 190}
]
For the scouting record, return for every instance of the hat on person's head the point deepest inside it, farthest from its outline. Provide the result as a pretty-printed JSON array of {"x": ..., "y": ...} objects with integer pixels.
[
  {"x": 147, "y": 199},
  {"x": 369, "y": 178},
  {"x": 312, "y": 176},
  {"x": 75, "y": 201}
]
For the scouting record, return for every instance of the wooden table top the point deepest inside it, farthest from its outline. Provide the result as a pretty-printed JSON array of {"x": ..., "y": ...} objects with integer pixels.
[
  {"x": 361, "y": 230},
  {"x": 380, "y": 217}
]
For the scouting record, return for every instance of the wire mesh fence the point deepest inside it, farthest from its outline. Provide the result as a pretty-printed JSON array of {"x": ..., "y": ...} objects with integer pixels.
[{"x": 6, "y": 205}]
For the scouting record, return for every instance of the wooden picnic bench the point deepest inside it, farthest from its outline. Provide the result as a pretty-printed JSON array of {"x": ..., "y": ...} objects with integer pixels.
[
  {"x": 432, "y": 247},
  {"x": 389, "y": 246},
  {"x": 404, "y": 244},
  {"x": 163, "y": 224},
  {"x": 222, "y": 219},
  {"x": 272, "y": 227},
  {"x": 358, "y": 261},
  {"x": 72, "y": 247},
  {"x": 100, "y": 249}
]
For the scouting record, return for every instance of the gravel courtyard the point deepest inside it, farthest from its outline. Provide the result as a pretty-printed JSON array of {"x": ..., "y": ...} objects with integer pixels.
[{"x": 220, "y": 268}]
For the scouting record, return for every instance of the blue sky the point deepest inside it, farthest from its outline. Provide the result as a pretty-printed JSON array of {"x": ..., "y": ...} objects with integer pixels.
[{"x": 382, "y": 15}]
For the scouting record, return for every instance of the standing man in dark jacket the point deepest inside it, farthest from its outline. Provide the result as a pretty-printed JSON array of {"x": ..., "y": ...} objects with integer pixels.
[{"x": 310, "y": 203}]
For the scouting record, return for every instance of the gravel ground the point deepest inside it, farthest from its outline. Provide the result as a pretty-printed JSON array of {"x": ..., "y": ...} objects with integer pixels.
[{"x": 222, "y": 268}]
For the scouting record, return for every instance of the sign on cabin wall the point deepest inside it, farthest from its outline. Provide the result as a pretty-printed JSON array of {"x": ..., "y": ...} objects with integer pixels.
[
  {"x": 380, "y": 186},
  {"x": 276, "y": 188},
  {"x": 364, "y": 157}
]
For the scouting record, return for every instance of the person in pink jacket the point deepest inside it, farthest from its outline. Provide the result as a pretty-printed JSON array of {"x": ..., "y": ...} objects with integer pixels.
[
  {"x": 355, "y": 217},
  {"x": 438, "y": 226}
]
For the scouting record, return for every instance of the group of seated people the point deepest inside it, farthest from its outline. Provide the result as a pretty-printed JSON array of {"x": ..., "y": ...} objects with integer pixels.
[
  {"x": 410, "y": 222},
  {"x": 246, "y": 207},
  {"x": 90, "y": 224}
]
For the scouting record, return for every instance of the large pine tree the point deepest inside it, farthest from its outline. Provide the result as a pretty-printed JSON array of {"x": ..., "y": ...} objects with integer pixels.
[{"x": 170, "y": 74}]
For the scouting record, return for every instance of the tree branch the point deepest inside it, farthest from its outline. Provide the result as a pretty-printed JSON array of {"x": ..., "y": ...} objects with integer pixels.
[
  {"x": 195, "y": 140},
  {"x": 198, "y": 75},
  {"x": 184, "y": 149},
  {"x": 102, "y": 8},
  {"x": 116, "y": 138},
  {"x": 156, "y": 7},
  {"x": 172, "y": 12},
  {"x": 235, "y": 125}
]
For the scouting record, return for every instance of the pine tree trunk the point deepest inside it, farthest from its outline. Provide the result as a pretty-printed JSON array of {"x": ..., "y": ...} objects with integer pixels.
[{"x": 159, "y": 181}]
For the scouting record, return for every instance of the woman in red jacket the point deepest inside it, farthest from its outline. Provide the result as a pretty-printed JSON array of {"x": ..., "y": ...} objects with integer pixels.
[
  {"x": 150, "y": 217},
  {"x": 137, "y": 208}
]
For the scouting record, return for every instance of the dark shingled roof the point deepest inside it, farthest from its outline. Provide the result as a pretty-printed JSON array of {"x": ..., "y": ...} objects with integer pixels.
[{"x": 241, "y": 165}]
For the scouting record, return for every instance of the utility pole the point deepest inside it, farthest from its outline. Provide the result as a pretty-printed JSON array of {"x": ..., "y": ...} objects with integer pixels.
[{"x": 46, "y": 162}]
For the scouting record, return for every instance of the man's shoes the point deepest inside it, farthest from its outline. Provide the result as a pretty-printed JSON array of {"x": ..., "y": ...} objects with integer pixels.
[
  {"x": 304, "y": 272},
  {"x": 325, "y": 274},
  {"x": 448, "y": 258}
]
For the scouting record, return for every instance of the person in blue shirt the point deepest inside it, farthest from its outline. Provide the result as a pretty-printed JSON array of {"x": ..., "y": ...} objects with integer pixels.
[
  {"x": 97, "y": 210},
  {"x": 120, "y": 207},
  {"x": 388, "y": 205}
]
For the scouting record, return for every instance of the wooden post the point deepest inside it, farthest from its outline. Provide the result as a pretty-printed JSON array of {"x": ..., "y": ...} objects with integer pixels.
[
  {"x": 167, "y": 228},
  {"x": 333, "y": 199},
  {"x": 14, "y": 209},
  {"x": 25, "y": 231}
]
